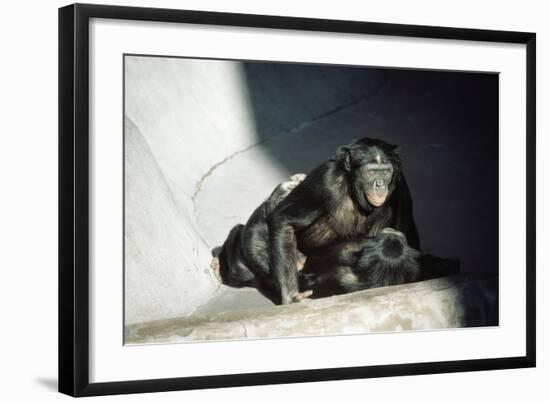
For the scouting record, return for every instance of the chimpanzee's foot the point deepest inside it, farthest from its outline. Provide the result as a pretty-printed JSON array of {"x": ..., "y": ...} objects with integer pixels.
[
  {"x": 282, "y": 190},
  {"x": 298, "y": 177},
  {"x": 295, "y": 179},
  {"x": 215, "y": 266}
]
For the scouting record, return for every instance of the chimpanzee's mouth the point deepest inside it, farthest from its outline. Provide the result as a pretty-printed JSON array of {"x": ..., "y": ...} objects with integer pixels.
[{"x": 376, "y": 200}]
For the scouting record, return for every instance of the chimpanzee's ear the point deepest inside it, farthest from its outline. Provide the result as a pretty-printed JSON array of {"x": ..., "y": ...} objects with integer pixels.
[{"x": 343, "y": 153}]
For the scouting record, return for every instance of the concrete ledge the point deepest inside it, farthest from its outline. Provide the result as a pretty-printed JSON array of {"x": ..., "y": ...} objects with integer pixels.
[{"x": 460, "y": 301}]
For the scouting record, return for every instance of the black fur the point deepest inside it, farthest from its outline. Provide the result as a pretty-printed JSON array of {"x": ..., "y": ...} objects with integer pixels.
[
  {"x": 331, "y": 206},
  {"x": 341, "y": 200},
  {"x": 243, "y": 258},
  {"x": 358, "y": 265}
]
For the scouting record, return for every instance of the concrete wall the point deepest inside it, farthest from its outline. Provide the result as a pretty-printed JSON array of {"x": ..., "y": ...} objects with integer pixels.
[
  {"x": 166, "y": 263},
  {"x": 183, "y": 118}
]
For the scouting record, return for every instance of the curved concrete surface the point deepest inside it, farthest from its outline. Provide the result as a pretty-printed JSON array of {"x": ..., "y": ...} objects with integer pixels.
[{"x": 165, "y": 261}]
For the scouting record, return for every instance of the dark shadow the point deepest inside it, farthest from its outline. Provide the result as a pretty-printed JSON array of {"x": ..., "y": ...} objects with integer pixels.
[
  {"x": 287, "y": 99},
  {"x": 447, "y": 127},
  {"x": 49, "y": 383},
  {"x": 284, "y": 95},
  {"x": 479, "y": 300},
  {"x": 445, "y": 123}
]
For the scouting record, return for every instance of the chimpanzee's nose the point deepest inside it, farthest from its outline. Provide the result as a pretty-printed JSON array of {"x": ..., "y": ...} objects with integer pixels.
[{"x": 379, "y": 183}]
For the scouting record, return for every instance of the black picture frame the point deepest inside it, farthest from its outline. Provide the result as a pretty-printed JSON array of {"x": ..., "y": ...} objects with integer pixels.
[{"x": 74, "y": 194}]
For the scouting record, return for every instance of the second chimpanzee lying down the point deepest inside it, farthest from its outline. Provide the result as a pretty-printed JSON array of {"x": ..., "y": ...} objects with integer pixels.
[
  {"x": 358, "y": 265},
  {"x": 369, "y": 263},
  {"x": 350, "y": 202},
  {"x": 341, "y": 268}
]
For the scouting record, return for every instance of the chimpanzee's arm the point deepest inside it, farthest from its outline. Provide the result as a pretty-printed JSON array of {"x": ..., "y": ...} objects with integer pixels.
[{"x": 283, "y": 224}]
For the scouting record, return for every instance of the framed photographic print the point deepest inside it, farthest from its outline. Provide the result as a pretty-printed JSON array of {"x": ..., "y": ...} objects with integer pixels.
[{"x": 248, "y": 199}]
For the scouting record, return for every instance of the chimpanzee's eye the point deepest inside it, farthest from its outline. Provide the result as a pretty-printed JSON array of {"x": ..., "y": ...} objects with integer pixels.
[
  {"x": 371, "y": 172},
  {"x": 386, "y": 172}
]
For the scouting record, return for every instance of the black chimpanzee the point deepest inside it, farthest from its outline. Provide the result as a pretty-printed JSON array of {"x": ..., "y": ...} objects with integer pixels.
[
  {"x": 351, "y": 197},
  {"x": 243, "y": 261},
  {"x": 358, "y": 265}
]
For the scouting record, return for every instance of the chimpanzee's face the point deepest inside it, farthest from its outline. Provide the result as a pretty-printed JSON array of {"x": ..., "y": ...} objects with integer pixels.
[
  {"x": 376, "y": 176},
  {"x": 372, "y": 169},
  {"x": 372, "y": 166}
]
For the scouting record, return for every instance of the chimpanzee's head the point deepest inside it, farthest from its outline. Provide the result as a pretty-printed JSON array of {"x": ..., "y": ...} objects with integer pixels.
[{"x": 372, "y": 166}]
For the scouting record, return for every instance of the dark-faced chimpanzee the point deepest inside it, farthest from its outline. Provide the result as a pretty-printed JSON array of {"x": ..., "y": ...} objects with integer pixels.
[
  {"x": 351, "y": 197},
  {"x": 358, "y": 265}
]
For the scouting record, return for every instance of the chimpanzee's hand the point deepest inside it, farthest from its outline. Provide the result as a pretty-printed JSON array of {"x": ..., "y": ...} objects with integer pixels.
[{"x": 299, "y": 297}]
